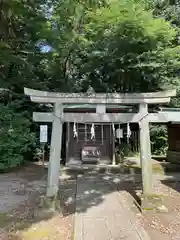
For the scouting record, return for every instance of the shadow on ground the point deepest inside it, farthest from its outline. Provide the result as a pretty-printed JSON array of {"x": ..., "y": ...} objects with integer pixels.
[
  {"x": 91, "y": 192},
  {"x": 173, "y": 183},
  {"x": 92, "y": 185},
  {"x": 82, "y": 190}
]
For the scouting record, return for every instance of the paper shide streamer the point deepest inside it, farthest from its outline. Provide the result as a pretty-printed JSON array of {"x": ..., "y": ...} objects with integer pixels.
[
  {"x": 92, "y": 131},
  {"x": 128, "y": 132},
  {"x": 75, "y": 131}
]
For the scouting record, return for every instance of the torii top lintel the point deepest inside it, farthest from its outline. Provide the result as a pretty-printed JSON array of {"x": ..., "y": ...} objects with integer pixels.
[{"x": 100, "y": 98}]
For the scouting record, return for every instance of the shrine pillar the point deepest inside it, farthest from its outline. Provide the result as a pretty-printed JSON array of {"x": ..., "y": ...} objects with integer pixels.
[
  {"x": 145, "y": 150},
  {"x": 55, "y": 151}
]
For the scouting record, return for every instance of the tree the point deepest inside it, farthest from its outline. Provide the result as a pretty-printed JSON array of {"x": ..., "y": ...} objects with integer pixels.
[
  {"x": 127, "y": 50},
  {"x": 67, "y": 23},
  {"x": 23, "y": 28},
  {"x": 170, "y": 11}
]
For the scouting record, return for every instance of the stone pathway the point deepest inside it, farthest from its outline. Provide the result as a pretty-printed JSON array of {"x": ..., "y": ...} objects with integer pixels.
[{"x": 101, "y": 213}]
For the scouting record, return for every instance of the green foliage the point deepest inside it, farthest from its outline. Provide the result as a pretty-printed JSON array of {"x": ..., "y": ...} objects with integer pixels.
[
  {"x": 126, "y": 48},
  {"x": 67, "y": 24},
  {"x": 170, "y": 11},
  {"x": 159, "y": 139},
  {"x": 109, "y": 45},
  {"x": 16, "y": 138},
  {"x": 23, "y": 27}
]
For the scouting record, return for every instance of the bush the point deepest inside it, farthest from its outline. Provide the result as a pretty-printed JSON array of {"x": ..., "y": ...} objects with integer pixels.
[
  {"x": 159, "y": 139},
  {"x": 16, "y": 138}
]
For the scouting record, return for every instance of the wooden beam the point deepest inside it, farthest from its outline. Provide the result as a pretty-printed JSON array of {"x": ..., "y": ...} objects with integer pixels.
[{"x": 161, "y": 117}]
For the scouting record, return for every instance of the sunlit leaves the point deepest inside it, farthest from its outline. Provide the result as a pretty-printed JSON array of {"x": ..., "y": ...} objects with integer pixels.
[{"x": 124, "y": 45}]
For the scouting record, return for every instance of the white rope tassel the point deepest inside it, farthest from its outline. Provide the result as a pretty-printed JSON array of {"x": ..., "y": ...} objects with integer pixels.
[
  {"x": 92, "y": 131},
  {"x": 75, "y": 130},
  {"x": 128, "y": 131}
]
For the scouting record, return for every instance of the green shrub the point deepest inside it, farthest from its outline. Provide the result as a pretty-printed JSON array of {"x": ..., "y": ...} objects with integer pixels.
[
  {"x": 16, "y": 138},
  {"x": 159, "y": 139}
]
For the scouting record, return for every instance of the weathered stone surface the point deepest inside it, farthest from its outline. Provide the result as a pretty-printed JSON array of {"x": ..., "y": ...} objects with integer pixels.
[
  {"x": 153, "y": 202},
  {"x": 145, "y": 151},
  {"x": 51, "y": 97},
  {"x": 100, "y": 214},
  {"x": 55, "y": 152},
  {"x": 162, "y": 117},
  {"x": 162, "y": 209}
]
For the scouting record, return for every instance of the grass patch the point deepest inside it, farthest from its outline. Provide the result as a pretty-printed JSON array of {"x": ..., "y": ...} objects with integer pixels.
[
  {"x": 4, "y": 220},
  {"x": 149, "y": 202}
]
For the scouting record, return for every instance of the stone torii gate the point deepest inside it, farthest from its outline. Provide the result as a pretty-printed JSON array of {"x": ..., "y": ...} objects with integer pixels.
[{"x": 57, "y": 117}]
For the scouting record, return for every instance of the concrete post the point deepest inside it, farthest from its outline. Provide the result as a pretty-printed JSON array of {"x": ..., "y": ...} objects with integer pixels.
[
  {"x": 145, "y": 151},
  {"x": 55, "y": 152}
]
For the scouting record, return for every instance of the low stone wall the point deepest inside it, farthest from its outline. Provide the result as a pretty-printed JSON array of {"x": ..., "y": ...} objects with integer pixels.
[{"x": 173, "y": 156}]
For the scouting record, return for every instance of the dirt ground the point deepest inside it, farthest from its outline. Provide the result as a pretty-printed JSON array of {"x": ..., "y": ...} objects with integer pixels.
[
  {"x": 21, "y": 190},
  {"x": 164, "y": 225},
  {"x": 20, "y": 193}
]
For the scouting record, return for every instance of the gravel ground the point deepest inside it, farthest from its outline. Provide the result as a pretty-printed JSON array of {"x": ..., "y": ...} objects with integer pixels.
[
  {"x": 160, "y": 226},
  {"x": 20, "y": 193}
]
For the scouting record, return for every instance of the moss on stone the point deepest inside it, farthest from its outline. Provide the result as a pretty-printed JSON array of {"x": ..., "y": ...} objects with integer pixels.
[
  {"x": 4, "y": 219},
  {"x": 37, "y": 232},
  {"x": 148, "y": 209}
]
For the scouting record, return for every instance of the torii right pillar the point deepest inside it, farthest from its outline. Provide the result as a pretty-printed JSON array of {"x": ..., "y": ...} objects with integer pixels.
[{"x": 145, "y": 155}]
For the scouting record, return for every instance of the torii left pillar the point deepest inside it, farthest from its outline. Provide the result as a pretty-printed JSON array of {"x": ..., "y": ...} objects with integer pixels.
[{"x": 55, "y": 152}]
